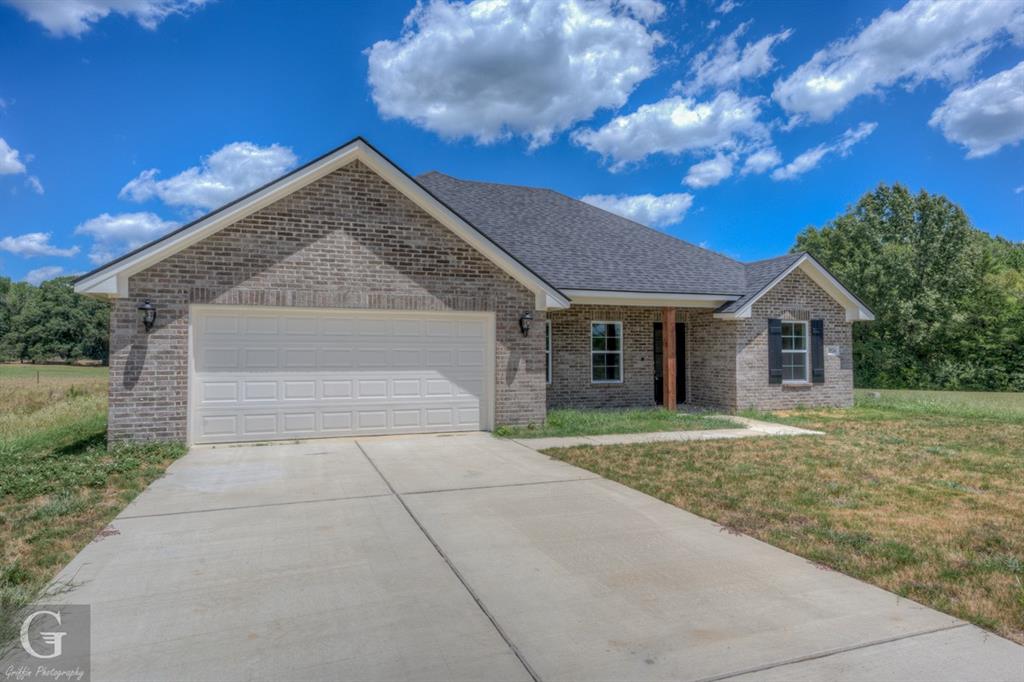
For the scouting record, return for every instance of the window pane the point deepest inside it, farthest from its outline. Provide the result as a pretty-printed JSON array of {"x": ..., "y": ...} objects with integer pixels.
[
  {"x": 794, "y": 366},
  {"x": 598, "y": 343},
  {"x": 613, "y": 343},
  {"x": 613, "y": 330},
  {"x": 598, "y": 373},
  {"x": 598, "y": 329}
]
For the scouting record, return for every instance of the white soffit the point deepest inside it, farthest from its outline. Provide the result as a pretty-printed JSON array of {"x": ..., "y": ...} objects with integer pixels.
[
  {"x": 634, "y": 298},
  {"x": 112, "y": 279}
]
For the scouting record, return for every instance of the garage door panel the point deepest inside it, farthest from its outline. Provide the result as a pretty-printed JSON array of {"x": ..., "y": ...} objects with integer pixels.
[
  {"x": 268, "y": 373},
  {"x": 257, "y": 325}
]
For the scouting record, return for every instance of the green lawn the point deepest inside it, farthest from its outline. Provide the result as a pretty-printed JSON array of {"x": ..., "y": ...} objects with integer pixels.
[
  {"x": 921, "y": 493},
  {"x": 59, "y": 485},
  {"x": 598, "y": 422}
]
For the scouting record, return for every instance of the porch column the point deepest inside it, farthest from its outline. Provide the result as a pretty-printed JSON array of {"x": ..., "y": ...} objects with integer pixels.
[{"x": 668, "y": 353}]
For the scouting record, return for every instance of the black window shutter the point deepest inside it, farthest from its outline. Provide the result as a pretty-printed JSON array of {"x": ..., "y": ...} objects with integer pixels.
[
  {"x": 774, "y": 351},
  {"x": 818, "y": 351}
]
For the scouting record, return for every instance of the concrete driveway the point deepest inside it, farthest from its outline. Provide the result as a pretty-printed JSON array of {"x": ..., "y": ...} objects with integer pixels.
[{"x": 467, "y": 557}]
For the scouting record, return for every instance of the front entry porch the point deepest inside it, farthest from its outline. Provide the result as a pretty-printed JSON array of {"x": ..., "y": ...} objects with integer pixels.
[{"x": 633, "y": 362}]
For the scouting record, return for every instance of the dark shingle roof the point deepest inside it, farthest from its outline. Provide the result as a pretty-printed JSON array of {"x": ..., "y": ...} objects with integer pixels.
[
  {"x": 760, "y": 274},
  {"x": 575, "y": 245}
]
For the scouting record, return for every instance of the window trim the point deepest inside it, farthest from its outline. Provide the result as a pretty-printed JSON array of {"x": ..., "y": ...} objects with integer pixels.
[
  {"x": 548, "y": 345},
  {"x": 619, "y": 352},
  {"x": 806, "y": 352}
]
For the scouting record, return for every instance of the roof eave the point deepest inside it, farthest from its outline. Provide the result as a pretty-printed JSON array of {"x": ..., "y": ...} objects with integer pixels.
[{"x": 647, "y": 298}]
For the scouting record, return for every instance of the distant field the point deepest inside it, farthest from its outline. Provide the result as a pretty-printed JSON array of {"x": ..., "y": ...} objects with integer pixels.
[{"x": 959, "y": 402}]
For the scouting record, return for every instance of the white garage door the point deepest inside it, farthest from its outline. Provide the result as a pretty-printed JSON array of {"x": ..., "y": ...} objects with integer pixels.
[{"x": 273, "y": 373}]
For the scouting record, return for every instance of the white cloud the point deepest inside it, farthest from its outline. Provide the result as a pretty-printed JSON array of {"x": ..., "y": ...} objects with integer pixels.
[
  {"x": 727, "y": 6},
  {"x": 675, "y": 125},
  {"x": 761, "y": 161},
  {"x": 229, "y": 172},
  {"x": 75, "y": 17},
  {"x": 1019, "y": 189},
  {"x": 710, "y": 172},
  {"x": 647, "y": 11},
  {"x": 34, "y": 183},
  {"x": 812, "y": 157},
  {"x": 713, "y": 24},
  {"x": 646, "y": 209},
  {"x": 726, "y": 64},
  {"x": 34, "y": 244},
  {"x": 10, "y": 164},
  {"x": 924, "y": 40},
  {"x": 492, "y": 69},
  {"x": 985, "y": 116},
  {"x": 115, "y": 234},
  {"x": 40, "y": 275}
]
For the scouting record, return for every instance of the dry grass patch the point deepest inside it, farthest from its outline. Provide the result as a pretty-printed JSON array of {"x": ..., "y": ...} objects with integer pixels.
[
  {"x": 59, "y": 484},
  {"x": 922, "y": 499}
]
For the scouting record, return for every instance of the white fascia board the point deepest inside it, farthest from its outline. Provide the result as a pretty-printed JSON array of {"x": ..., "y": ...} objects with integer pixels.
[
  {"x": 855, "y": 310},
  {"x": 117, "y": 274},
  {"x": 634, "y": 298}
]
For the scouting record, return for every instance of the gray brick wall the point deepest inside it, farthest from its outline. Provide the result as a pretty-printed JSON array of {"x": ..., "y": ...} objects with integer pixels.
[
  {"x": 570, "y": 357},
  {"x": 349, "y": 240},
  {"x": 795, "y": 298}
]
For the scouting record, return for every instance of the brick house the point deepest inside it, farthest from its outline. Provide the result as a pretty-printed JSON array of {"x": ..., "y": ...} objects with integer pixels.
[{"x": 349, "y": 298}]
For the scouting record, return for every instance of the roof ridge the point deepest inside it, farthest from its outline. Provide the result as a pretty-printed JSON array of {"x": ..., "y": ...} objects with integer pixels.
[
  {"x": 767, "y": 260},
  {"x": 660, "y": 233}
]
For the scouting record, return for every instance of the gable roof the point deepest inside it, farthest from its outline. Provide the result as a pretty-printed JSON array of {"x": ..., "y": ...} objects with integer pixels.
[
  {"x": 577, "y": 246},
  {"x": 558, "y": 247},
  {"x": 111, "y": 279}
]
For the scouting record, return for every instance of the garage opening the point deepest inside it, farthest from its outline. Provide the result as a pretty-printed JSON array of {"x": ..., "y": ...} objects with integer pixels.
[{"x": 279, "y": 373}]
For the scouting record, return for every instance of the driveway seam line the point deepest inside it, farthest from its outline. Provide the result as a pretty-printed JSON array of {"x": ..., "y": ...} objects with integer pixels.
[
  {"x": 252, "y": 506},
  {"x": 451, "y": 566},
  {"x": 500, "y": 485},
  {"x": 829, "y": 653}
]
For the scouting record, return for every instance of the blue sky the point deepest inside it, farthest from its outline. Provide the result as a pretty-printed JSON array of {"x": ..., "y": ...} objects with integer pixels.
[{"x": 729, "y": 124}]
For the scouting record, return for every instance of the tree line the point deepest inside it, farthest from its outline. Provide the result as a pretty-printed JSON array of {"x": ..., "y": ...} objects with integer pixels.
[
  {"x": 948, "y": 298},
  {"x": 51, "y": 323}
]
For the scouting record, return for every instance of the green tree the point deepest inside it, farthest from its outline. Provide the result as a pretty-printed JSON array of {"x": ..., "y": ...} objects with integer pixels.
[
  {"x": 51, "y": 322},
  {"x": 948, "y": 298}
]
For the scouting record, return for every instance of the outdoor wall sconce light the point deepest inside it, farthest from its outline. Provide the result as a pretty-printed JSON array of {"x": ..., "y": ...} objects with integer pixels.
[
  {"x": 524, "y": 323},
  {"x": 148, "y": 314}
]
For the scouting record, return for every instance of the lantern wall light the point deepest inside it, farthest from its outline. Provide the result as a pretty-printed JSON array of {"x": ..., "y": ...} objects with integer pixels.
[
  {"x": 147, "y": 311},
  {"x": 524, "y": 323}
]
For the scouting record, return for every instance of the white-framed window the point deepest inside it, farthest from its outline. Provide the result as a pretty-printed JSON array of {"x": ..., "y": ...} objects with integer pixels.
[
  {"x": 606, "y": 352},
  {"x": 547, "y": 347},
  {"x": 795, "y": 360}
]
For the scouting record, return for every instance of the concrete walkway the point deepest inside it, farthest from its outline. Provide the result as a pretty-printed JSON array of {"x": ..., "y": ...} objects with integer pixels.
[
  {"x": 473, "y": 558},
  {"x": 751, "y": 428}
]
